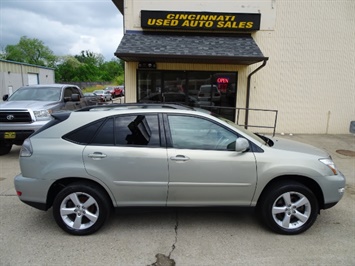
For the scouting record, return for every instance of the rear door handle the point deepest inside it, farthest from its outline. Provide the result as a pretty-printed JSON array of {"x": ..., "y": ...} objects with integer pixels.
[
  {"x": 97, "y": 155},
  {"x": 179, "y": 158}
]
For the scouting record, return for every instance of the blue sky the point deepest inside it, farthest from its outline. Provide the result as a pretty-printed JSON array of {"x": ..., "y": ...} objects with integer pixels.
[{"x": 65, "y": 26}]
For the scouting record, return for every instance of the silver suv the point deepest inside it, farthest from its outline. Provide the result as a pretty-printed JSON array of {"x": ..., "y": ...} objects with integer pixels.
[{"x": 87, "y": 162}]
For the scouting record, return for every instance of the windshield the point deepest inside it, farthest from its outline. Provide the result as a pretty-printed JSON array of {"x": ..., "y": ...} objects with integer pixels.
[
  {"x": 246, "y": 132},
  {"x": 36, "y": 94}
]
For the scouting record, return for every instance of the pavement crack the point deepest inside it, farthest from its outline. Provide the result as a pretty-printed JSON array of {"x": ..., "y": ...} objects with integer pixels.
[
  {"x": 176, "y": 233},
  {"x": 163, "y": 260}
]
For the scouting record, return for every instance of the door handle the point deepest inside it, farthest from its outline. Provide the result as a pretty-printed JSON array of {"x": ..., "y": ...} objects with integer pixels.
[
  {"x": 97, "y": 155},
  {"x": 179, "y": 158}
]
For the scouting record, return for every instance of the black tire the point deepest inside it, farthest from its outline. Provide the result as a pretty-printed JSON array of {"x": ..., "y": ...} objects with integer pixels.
[
  {"x": 282, "y": 210},
  {"x": 69, "y": 207},
  {"x": 5, "y": 148}
]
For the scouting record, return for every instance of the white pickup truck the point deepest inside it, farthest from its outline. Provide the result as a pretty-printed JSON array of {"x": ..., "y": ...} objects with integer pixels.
[{"x": 30, "y": 107}]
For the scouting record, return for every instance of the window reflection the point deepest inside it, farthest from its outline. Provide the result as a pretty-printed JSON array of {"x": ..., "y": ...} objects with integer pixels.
[
  {"x": 137, "y": 130},
  {"x": 196, "y": 133},
  {"x": 141, "y": 132}
]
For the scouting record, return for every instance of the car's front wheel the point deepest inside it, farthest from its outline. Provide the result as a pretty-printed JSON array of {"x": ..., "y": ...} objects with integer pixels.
[
  {"x": 288, "y": 208},
  {"x": 81, "y": 208}
]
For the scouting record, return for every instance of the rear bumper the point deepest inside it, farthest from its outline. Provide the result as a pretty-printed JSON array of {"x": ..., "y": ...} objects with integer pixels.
[{"x": 33, "y": 191}]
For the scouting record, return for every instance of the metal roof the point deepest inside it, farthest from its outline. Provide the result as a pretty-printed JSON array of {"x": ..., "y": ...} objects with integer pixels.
[{"x": 184, "y": 48}]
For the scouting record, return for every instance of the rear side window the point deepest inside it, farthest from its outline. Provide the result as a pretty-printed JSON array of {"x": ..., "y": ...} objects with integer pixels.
[
  {"x": 84, "y": 135},
  {"x": 105, "y": 136},
  {"x": 142, "y": 130},
  {"x": 127, "y": 130}
]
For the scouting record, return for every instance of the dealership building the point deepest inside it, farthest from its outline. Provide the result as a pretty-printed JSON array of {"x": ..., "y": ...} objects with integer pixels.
[{"x": 251, "y": 61}]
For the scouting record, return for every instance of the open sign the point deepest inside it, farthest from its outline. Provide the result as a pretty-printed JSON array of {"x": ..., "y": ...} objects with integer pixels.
[{"x": 223, "y": 80}]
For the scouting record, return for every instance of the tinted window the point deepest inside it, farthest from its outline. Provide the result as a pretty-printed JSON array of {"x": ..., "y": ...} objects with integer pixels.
[
  {"x": 84, "y": 135},
  {"x": 105, "y": 134},
  {"x": 137, "y": 130},
  {"x": 197, "y": 133},
  {"x": 121, "y": 130}
]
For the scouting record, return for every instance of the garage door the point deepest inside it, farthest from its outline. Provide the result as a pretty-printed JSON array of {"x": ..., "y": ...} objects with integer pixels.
[{"x": 32, "y": 79}]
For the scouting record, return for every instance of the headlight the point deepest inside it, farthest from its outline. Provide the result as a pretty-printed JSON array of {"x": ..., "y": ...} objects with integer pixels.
[
  {"x": 329, "y": 162},
  {"x": 42, "y": 114}
]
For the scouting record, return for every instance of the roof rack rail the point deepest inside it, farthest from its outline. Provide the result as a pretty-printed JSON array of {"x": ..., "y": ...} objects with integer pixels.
[{"x": 135, "y": 105}]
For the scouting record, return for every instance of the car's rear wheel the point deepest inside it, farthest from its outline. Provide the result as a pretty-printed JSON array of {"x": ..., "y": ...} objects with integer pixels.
[
  {"x": 81, "y": 208},
  {"x": 5, "y": 148},
  {"x": 288, "y": 208}
]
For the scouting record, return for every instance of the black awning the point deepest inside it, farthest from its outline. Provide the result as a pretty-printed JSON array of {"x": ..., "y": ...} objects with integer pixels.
[{"x": 140, "y": 47}]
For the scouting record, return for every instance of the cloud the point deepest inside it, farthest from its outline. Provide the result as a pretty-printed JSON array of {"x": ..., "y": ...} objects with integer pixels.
[{"x": 66, "y": 27}]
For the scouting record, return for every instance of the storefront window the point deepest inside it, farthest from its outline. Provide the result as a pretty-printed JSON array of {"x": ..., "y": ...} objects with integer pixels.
[
  {"x": 210, "y": 90},
  {"x": 149, "y": 84}
]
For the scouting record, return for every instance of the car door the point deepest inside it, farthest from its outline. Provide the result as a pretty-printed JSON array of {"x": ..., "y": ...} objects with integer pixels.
[
  {"x": 128, "y": 154},
  {"x": 204, "y": 170}
]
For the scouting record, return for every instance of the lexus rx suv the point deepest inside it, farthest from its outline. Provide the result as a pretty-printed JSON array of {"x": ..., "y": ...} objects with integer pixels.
[{"x": 85, "y": 163}]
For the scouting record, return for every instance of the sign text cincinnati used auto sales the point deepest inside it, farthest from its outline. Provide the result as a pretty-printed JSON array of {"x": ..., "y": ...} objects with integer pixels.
[{"x": 200, "y": 20}]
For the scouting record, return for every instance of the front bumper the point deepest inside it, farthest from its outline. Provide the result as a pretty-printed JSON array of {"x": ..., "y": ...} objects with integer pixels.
[
  {"x": 333, "y": 188},
  {"x": 18, "y": 132}
]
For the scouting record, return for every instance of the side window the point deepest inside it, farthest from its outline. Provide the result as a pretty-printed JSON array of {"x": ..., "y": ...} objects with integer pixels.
[
  {"x": 84, "y": 135},
  {"x": 75, "y": 91},
  {"x": 67, "y": 92},
  {"x": 197, "y": 133},
  {"x": 141, "y": 130},
  {"x": 105, "y": 135}
]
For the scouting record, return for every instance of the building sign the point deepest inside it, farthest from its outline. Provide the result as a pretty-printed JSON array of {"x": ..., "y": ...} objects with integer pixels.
[{"x": 206, "y": 21}]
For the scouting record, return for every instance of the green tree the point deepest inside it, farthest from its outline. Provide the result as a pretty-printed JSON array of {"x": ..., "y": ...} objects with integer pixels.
[
  {"x": 67, "y": 69},
  {"x": 112, "y": 69},
  {"x": 87, "y": 67},
  {"x": 31, "y": 51},
  {"x": 90, "y": 58}
]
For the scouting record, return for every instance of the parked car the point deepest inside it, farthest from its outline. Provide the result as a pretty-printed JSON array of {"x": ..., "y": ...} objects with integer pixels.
[
  {"x": 119, "y": 91},
  {"x": 92, "y": 98},
  {"x": 116, "y": 91},
  {"x": 112, "y": 91},
  {"x": 174, "y": 97},
  {"x": 209, "y": 93},
  {"x": 164, "y": 155},
  {"x": 30, "y": 107},
  {"x": 103, "y": 95}
]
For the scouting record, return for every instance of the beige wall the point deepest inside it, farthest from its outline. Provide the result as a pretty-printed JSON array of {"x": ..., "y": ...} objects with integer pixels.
[
  {"x": 15, "y": 75},
  {"x": 267, "y": 8},
  {"x": 310, "y": 75}
]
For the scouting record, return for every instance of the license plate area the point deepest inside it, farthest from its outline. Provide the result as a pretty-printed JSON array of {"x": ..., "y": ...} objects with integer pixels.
[{"x": 10, "y": 135}]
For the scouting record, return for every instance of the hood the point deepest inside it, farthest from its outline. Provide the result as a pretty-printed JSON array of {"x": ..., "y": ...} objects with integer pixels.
[
  {"x": 295, "y": 146},
  {"x": 34, "y": 105}
]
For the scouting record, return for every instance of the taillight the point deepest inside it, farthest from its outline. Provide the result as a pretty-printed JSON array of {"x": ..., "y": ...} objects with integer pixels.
[
  {"x": 19, "y": 193},
  {"x": 26, "y": 149}
]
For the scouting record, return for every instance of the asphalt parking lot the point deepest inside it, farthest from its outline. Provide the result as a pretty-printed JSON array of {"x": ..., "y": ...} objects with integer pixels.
[{"x": 190, "y": 237}]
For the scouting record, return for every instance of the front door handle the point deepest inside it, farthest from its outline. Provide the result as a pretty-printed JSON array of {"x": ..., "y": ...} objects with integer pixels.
[
  {"x": 97, "y": 155},
  {"x": 179, "y": 158}
]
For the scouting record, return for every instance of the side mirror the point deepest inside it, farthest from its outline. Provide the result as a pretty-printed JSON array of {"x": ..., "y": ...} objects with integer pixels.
[
  {"x": 75, "y": 97},
  {"x": 241, "y": 145},
  {"x": 5, "y": 97}
]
